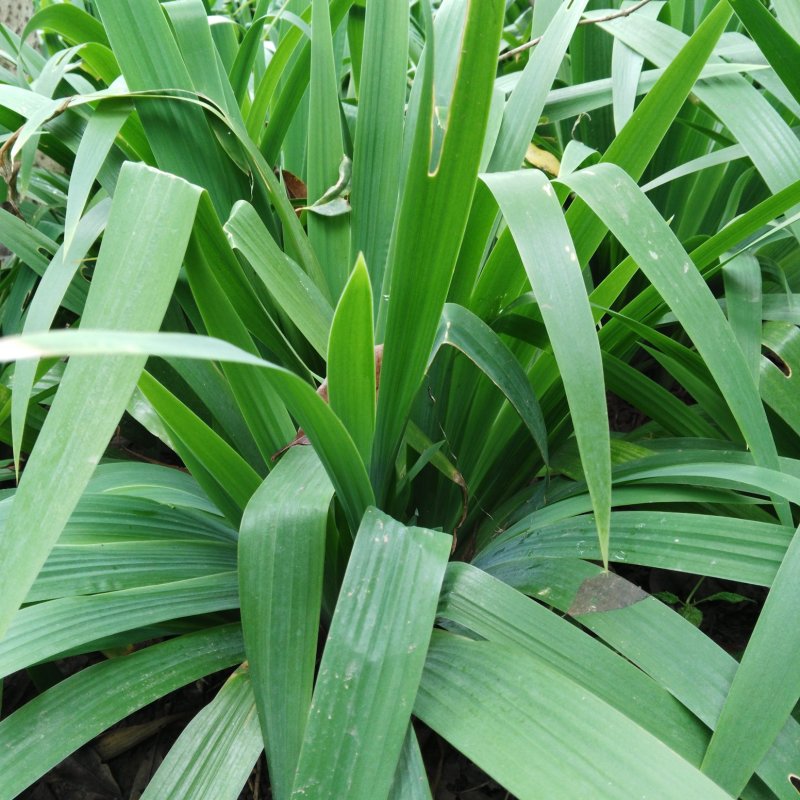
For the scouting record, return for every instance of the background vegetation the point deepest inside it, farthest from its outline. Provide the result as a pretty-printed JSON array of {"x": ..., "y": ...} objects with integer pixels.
[{"x": 540, "y": 264}]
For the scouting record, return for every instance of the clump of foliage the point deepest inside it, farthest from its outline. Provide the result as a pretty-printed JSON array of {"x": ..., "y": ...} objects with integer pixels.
[{"x": 471, "y": 253}]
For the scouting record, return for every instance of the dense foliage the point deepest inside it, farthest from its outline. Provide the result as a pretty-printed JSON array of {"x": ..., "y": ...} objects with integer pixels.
[{"x": 449, "y": 241}]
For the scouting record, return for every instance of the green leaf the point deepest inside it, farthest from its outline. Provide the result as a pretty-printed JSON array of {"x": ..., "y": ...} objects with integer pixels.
[
  {"x": 372, "y": 661},
  {"x": 524, "y": 106},
  {"x": 216, "y": 752},
  {"x": 379, "y": 136},
  {"x": 178, "y": 132},
  {"x": 723, "y": 547},
  {"x": 663, "y": 644},
  {"x": 778, "y": 45},
  {"x": 763, "y": 692},
  {"x": 334, "y": 445},
  {"x": 461, "y": 329},
  {"x": 636, "y": 143},
  {"x": 411, "y": 778},
  {"x": 616, "y": 199},
  {"x": 742, "y": 277},
  {"x": 294, "y": 292},
  {"x": 87, "y": 703},
  {"x": 480, "y": 697},
  {"x": 497, "y": 612},
  {"x": 43, "y": 630},
  {"x": 131, "y": 288},
  {"x": 227, "y": 478},
  {"x": 778, "y": 388},
  {"x": 552, "y": 266},
  {"x": 260, "y": 404},
  {"x": 281, "y": 558},
  {"x": 69, "y": 21},
  {"x": 353, "y": 362},
  {"x": 52, "y": 292},
  {"x": 435, "y": 198},
  {"x": 113, "y": 565},
  {"x": 329, "y": 236}
]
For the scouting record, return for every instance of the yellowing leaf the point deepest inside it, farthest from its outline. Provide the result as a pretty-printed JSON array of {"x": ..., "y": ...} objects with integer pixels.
[{"x": 542, "y": 159}]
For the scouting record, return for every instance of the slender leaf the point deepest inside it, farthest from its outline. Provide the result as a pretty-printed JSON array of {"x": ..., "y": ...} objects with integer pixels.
[
  {"x": 281, "y": 557},
  {"x": 130, "y": 288},
  {"x": 87, "y": 703},
  {"x": 372, "y": 661},
  {"x": 217, "y": 750},
  {"x": 552, "y": 267}
]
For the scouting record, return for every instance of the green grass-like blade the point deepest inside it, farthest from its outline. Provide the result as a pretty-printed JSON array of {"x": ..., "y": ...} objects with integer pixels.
[
  {"x": 742, "y": 277},
  {"x": 52, "y": 292},
  {"x": 765, "y": 688},
  {"x": 216, "y": 752},
  {"x": 130, "y": 288},
  {"x": 352, "y": 361},
  {"x": 226, "y": 477},
  {"x": 411, "y": 778},
  {"x": 112, "y": 565},
  {"x": 43, "y": 630},
  {"x": 281, "y": 557},
  {"x": 261, "y": 406},
  {"x": 497, "y": 612},
  {"x": 294, "y": 292},
  {"x": 379, "y": 136},
  {"x": 329, "y": 236},
  {"x": 722, "y": 547},
  {"x": 468, "y": 333},
  {"x": 636, "y": 143},
  {"x": 432, "y": 202},
  {"x": 87, "y": 703},
  {"x": 372, "y": 661},
  {"x": 775, "y": 41},
  {"x": 69, "y": 21},
  {"x": 178, "y": 132},
  {"x": 479, "y": 696},
  {"x": 662, "y": 643},
  {"x": 616, "y": 199},
  {"x": 534, "y": 216},
  {"x": 326, "y": 432}
]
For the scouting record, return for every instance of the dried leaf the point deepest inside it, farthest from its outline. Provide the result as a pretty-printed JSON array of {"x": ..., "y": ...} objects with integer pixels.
[{"x": 543, "y": 160}]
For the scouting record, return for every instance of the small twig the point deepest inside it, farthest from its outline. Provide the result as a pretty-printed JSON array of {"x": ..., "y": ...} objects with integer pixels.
[{"x": 590, "y": 21}]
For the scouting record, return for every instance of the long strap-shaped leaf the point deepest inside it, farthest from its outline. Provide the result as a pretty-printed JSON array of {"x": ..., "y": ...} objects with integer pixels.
[
  {"x": 534, "y": 216},
  {"x": 352, "y": 366},
  {"x": 217, "y": 750},
  {"x": 499, "y": 613},
  {"x": 372, "y": 662},
  {"x": 294, "y": 291},
  {"x": 148, "y": 229},
  {"x": 766, "y": 686},
  {"x": 622, "y": 206},
  {"x": 636, "y": 143},
  {"x": 665, "y": 645},
  {"x": 334, "y": 445},
  {"x": 465, "y": 331},
  {"x": 379, "y": 135},
  {"x": 433, "y": 215},
  {"x": 329, "y": 236},
  {"x": 88, "y": 703},
  {"x": 775, "y": 41},
  {"x": 281, "y": 561},
  {"x": 540, "y": 734},
  {"x": 43, "y": 630},
  {"x": 42, "y": 310},
  {"x": 178, "y": 132}
]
